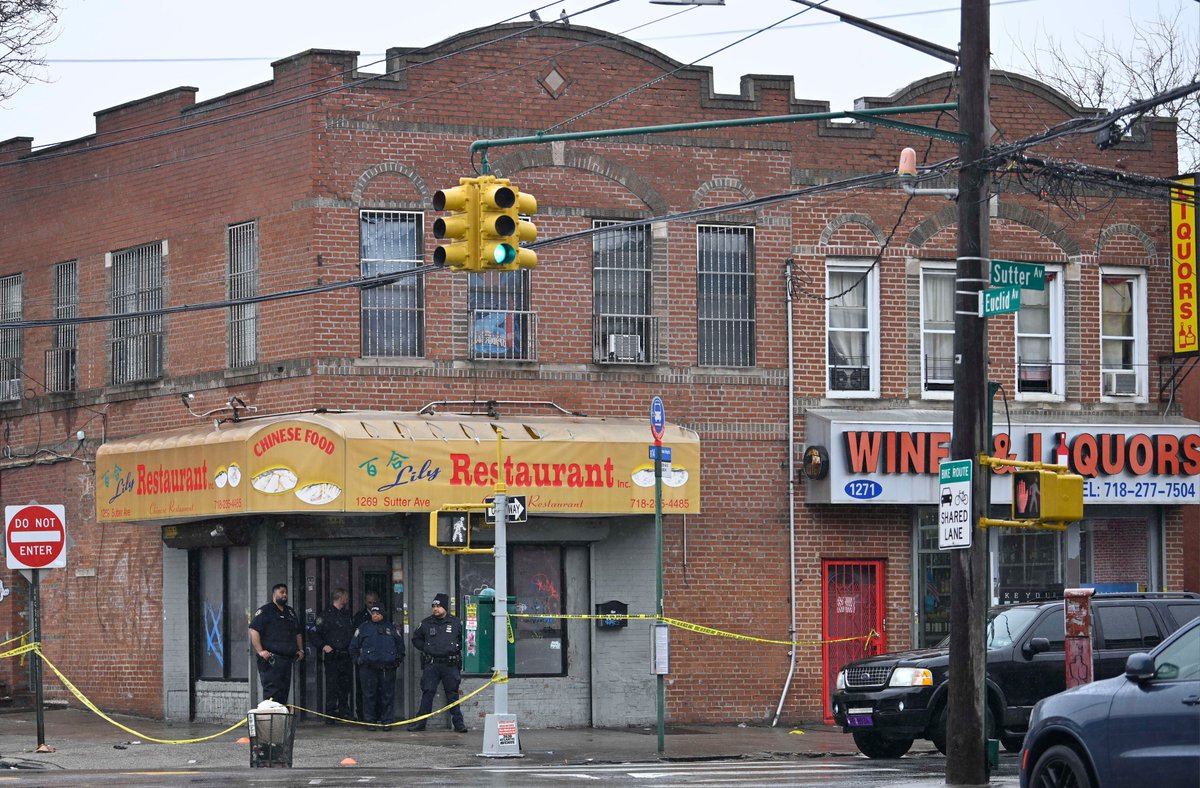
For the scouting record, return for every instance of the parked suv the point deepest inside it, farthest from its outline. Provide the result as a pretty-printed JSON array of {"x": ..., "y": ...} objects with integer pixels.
[{"x": 889, "y": 700}]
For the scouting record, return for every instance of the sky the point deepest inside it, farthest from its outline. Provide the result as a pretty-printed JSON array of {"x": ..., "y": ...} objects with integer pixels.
[{"x": 108, "y": 52}]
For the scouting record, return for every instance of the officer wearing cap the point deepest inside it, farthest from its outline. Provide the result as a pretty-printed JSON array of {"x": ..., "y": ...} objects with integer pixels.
[
  {"x": 331, "y": 639},
  {"x": 439, "y": 639},
  {"x": 276, "y": 637},
  {"x": 377, "y": 648}
]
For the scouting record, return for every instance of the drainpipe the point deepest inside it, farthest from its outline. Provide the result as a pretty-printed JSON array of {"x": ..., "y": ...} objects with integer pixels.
[{"x": 791, "y": 484}]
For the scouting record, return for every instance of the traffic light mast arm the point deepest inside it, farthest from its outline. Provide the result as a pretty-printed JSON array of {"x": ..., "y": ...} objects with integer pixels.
[{"x": 996, "y": 462}]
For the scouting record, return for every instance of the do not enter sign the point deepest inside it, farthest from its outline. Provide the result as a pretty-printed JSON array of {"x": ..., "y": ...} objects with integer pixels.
[{"x": 35, "y": 536}]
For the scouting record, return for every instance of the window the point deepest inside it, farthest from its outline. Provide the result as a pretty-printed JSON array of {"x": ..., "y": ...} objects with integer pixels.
[
  {"x": 937, "y": 328},
  {"x": 535, "y": 586},
  {"x": 725, "y": 295},
  {"x": 62, "y": 370},
  {"x": 1127, "y": 627},
  {"x": 1040, "y": 367},
  {"x": 393, "y": 315},
  {"x": 624, "y": 330},
  {"x": 137, "y": 287},
  {"x": 241, "y": 251},
  {"x": 1122, "y": 334},
  {"x": 933, "y": 582},
  {"x": 1053, "y": 628},
  {"x": 11, "y": 310},
  {"x": 220, "y": 636},
  {"x": 502, "y": 327},
  {"x": 852, "y": 309}
]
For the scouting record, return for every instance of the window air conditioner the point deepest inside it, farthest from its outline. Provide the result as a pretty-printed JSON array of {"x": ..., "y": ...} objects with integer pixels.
[
  {"x": 625, "y": 348},
  {"x": 1120, "y": 384},
  {"x": 11, "y": 390},
  {"x": 850, "y": 379}
]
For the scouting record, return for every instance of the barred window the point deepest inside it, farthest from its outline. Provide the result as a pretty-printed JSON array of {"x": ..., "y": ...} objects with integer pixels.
[
  {"x": 852, "y": 324},
  {"x": 137, "y": 286},
  {"x": 393, "y": 315},
  {"x": 501, "y": 325},
  {"x": 11, "y": 311},
  {"x": 725, "y": 296},
  {"x": 62, "y": 370},
  {"x": 241, "y": 253},
  {"x": 624, "y": 332}
]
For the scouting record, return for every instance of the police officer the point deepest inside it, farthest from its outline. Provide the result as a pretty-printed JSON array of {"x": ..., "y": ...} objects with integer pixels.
[
  {"x": 377, "y": 648},
  {"x": 277, "y": 639},
  {"x": 332, "y": 639},
  {"x": 439, "y": 639},
  {"x": 370, "y": 600}
]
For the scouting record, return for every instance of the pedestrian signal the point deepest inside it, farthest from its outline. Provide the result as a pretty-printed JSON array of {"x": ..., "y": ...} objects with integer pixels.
[
  {"x": 1047, "y": 496},
  {"x": 459, "y": 530}
]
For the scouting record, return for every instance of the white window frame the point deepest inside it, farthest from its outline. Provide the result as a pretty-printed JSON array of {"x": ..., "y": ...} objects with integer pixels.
[
  {"x": 624, "y": 330},
  {"x": 726, "y": 317},
  {"x": 941, "y": 269},
  {"x": 870, "y": 273},
  {"x": 1140, "y": 355},
  {"x": 1055, "y": 276}
]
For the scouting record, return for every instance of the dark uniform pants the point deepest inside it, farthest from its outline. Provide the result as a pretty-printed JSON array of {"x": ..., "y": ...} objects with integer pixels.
[
  {"x": 339, "y": 680},
  {"x": 378, "y": 692},
  {"x": 449, "y": 677},
  {"x": 275, "y": 675}
]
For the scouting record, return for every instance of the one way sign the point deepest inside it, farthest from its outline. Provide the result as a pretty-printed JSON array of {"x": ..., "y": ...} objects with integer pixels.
[{"x": 515, "y": 512}]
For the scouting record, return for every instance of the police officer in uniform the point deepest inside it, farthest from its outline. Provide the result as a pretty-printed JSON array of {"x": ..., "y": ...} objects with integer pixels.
[
  {"x": 332, "y": 639},
  {"x": 377, "y": 648},
  {"x": 370, "y": 600},
  {"x": 439, "y": 639},
  {"x": 278, "y": 640}
]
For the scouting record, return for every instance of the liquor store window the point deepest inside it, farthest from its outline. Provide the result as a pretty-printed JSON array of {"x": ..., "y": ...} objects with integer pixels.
[
  {"x": 220, "y": 612},
  {"x": 536, "y": 577}
]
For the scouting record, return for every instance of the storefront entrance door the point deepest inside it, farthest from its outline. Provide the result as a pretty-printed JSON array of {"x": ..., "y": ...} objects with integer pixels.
[{"x": 853, "y": 607}]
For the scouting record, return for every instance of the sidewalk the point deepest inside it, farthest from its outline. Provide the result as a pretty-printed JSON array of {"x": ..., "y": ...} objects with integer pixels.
[{"x": 83, "y": 740}]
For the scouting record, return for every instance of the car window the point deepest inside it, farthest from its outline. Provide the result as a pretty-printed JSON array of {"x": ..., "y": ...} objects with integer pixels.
[
  {"x": 1184, "y": 613},
  {"x": 1128, "y": 627},
  {"x": 1052, "y": 628},
  {"x": 1006, "y": 625},
  {"x": 1180, "y": 660}
]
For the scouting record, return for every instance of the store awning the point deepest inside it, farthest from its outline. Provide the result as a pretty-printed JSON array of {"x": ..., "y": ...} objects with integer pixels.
[{"x": 381, "y": 462}]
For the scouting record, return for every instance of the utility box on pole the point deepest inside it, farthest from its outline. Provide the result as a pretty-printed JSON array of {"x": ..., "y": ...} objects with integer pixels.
[{"x": 1078, "y": 613}]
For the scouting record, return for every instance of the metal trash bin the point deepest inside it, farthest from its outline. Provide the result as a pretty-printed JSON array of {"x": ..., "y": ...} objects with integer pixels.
[{"x": 272, "y": 733}]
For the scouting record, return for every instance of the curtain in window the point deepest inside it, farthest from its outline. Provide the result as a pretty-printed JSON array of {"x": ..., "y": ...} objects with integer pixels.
[
  {"x": 1116, "y": 306},
  {"x": 849, "y": 329}
]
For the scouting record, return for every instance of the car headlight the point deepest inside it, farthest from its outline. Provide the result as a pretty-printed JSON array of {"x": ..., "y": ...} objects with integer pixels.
[
  {"x": 911, "y": 677},
  {"x": 841, "y": 680}
]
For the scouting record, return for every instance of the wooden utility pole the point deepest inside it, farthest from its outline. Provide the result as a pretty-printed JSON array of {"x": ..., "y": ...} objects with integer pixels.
[{"x": 965, "y": 753}]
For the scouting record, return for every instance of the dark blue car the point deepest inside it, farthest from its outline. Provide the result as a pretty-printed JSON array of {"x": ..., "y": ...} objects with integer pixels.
[{"x": 1142, "y": 728}]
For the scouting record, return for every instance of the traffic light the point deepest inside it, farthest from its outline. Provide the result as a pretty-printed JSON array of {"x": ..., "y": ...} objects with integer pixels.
[
  {"x": 461, "y": 226},
  {"x": 501, "y": 228},
  {"x": 459, "y": 531},
  {"x": 1047, "y": 496}
]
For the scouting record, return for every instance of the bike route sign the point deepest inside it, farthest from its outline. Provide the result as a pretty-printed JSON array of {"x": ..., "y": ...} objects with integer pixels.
[{"x": 954, "y": 509}]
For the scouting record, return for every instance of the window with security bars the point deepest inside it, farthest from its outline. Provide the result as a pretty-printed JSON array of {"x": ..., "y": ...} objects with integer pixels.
[
  {"x": 725, "y": 296},
  {"x": 501, "y": 327},
  {"x": 393, "y": 315},
  {"x": 1122, "y": 332},
  {"x": 624, "y": 331},
  {"x": 851, "y": 322},
  {"x": 62, "y": 370},
  {"x": 241, "y": 253},
  {"x": 11, "y": 310},
  {"x": 1040, "y": 347},
  {"x": 137, "y": 341},
  {"x": 937, "y": 328}
]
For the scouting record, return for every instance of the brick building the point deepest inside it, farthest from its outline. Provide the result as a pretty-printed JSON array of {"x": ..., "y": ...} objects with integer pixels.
[{"x": 206, "y": 450}]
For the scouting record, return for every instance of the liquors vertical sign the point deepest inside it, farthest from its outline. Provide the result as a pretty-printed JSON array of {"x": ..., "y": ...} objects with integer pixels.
[{"x": 1185, "y": 299}]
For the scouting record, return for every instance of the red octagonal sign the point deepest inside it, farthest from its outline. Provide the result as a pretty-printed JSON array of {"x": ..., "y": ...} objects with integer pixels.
[{"x": 35, "y": 536}]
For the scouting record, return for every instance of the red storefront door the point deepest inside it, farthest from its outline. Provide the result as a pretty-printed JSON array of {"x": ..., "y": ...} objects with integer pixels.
[{"x": 853, "y": 607}]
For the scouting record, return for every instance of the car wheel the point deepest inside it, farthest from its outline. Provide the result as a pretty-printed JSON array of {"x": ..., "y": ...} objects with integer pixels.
[
  {"x": 1012, "y": 743},
  {"x": 937, "y": 731},
  {"x": 875, "y": 745},
  {"x": 1060, "y": 767}
]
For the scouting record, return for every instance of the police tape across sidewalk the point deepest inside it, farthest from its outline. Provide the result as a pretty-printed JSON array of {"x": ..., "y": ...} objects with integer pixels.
[{"x": 496, "y": 678}]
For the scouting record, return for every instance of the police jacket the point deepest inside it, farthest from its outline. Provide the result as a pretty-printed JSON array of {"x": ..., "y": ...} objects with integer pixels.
[
  {"x": 377, "y": 645},
  {"x": 334, "y": 629},
  {"x": 439, "y": 637},
  {"x": 277, "y": 629}
]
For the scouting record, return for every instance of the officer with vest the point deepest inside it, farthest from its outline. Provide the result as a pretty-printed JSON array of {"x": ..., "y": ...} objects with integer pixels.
[
  {"x": 439, "y": 639},
  {"x": 377, "y": 648},
  {"x": 277, "y": 639},
  {"x": 331, "y": 639}
]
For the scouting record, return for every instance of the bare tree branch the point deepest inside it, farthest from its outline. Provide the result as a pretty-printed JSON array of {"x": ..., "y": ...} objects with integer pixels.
[{"x": 25, "y": 27}]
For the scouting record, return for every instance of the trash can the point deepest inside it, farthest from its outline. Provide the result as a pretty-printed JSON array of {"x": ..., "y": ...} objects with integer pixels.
[{"x": 272, "y": 733}]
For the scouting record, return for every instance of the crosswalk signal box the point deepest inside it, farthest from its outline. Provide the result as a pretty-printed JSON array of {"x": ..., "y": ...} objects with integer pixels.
[{"x": 459, "y": 530}]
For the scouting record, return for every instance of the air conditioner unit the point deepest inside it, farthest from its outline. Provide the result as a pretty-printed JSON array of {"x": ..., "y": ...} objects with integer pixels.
[
  {"x": 626, "y": 348},
  {"x": 850, "y": 379},
  {"x": 1120, "y": 384},
  {"x": 11, "y": 390}
]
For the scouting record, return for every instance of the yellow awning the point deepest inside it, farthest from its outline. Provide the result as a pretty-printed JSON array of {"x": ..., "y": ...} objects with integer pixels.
[{"x": 379, "y": 462}]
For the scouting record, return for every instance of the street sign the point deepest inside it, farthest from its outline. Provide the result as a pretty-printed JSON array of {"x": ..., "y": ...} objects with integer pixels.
[
  {"x": 665, "y": 450},
  {"x": 658, "y": 419},
  {"x": 1028, "y": 276},
  {"x": 954, "y": 510},
  {"x": 514, "y": 512},
  {"x": 999, "y": 300},
  {"x": 35, "y": 536}
]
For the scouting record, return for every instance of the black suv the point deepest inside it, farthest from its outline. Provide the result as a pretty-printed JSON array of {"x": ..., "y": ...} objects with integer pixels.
[{"x": 889, "y": 700}]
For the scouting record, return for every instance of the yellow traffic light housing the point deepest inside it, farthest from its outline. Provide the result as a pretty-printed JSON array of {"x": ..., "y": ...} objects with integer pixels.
[
  {"x": 461, "y": 227},
  {"x": 461, "y": 529},
  {"x": 1047, "y": 496},
  {"x": 501, "y": 228}
]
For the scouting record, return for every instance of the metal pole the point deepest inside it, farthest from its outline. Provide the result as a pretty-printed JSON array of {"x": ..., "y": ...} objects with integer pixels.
[
  {"x": 36, "y": 665},
  {"x": 965, "y": 754},
  {"x": 500, "y": 640},
  {"x": 658, "y": 592}
]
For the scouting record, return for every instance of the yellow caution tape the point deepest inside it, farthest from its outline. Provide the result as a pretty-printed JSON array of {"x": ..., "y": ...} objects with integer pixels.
[
  {"x": 21, "y": 637},
  {"x": 19, "y": 651},
  {"x": 495, "y": 679}
]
